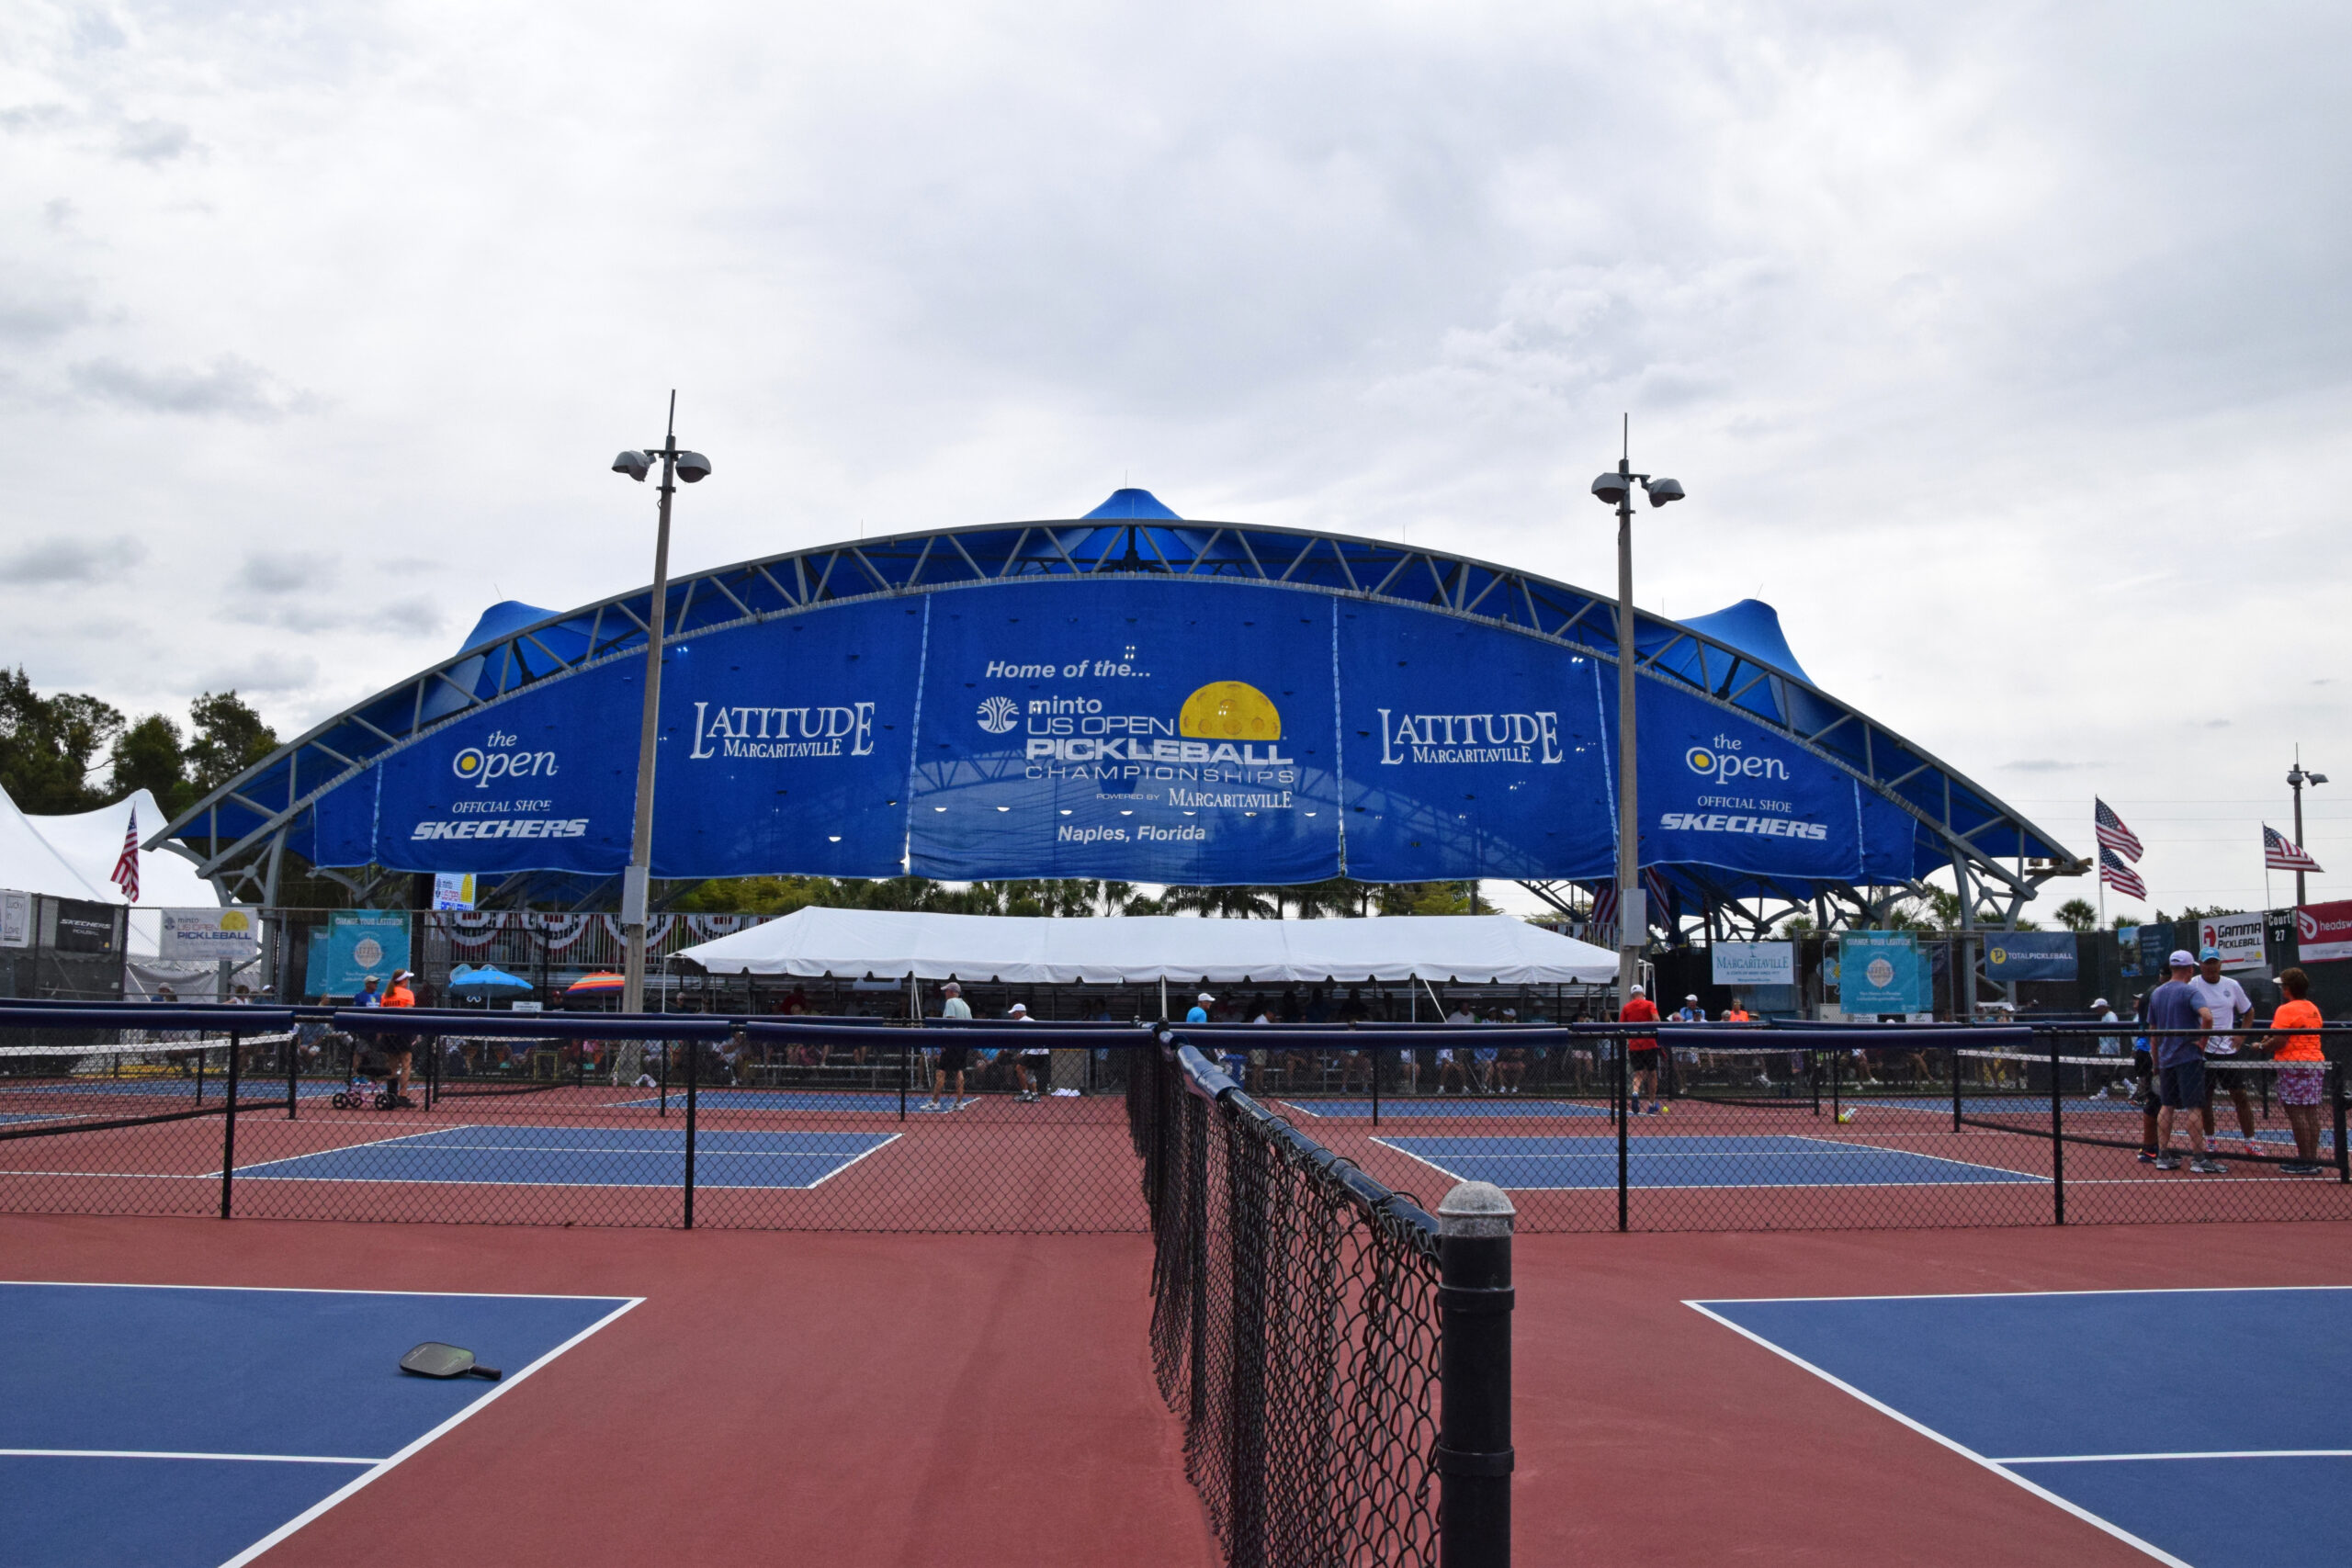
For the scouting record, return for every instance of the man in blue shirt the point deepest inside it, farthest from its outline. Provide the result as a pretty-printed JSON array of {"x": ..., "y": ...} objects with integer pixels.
[
  {"x": 2174, "y": 1017},
  {"x": 1199, "y": 1013}
]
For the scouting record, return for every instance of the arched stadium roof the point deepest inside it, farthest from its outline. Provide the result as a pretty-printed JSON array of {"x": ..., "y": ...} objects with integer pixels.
[{"x": 1736, "y": 660}]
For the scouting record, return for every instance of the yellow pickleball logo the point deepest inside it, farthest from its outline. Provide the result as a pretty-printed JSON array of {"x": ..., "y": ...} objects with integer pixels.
[
  {"x": 1229, "y": 710},
  {"x": 232, "y": 920}
]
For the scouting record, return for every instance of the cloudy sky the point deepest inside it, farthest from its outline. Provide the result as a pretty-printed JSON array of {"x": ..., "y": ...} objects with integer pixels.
[{"x": 2003, "y": 347}]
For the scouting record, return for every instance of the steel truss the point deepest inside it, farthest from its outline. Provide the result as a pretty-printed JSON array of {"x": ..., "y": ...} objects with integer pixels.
[{"x": 237, "y": 835}]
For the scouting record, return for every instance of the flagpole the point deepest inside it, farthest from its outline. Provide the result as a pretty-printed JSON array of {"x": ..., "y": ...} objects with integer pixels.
[{"x": 2102, "y": 870}]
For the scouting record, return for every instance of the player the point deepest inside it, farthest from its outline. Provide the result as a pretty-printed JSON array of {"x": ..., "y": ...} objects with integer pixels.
[
  {"x": 2302, "y": 1073},
  {"x": 1641, "y": 1052},
  {"x": 2222, "y": 996},
  {"x": 2174, "y": 1013},
  {"x": 955, "y": 1055}
]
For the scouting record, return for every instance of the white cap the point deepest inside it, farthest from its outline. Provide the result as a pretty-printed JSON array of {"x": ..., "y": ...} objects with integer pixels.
[
  {"x": 951, "y": 986},
  {"x": 2183, "y": 959},
  {"x": 1019, "y": 1006},
  {"x": 2099, "y": 1001},
  {"x": 1205, "y": 997},
  {"x": 1691, "y": 997},
  {"x": 1638, "y": 992}
]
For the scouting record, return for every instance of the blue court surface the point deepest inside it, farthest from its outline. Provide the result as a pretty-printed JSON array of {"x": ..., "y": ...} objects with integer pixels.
[
  {"x": 583, "y": 1156},
  {"x": 177, "y": 1427},
  {"x": 878, "y": 1102},
  {"x": 2235, "y": 1453},
  {"x": 1508, "y": 1105},
  {"x": 1728, "y": 1160}
]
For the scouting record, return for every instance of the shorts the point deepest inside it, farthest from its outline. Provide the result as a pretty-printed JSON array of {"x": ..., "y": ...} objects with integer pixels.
[
  {"x": 951, "y": 1058},
  {"x": 397, "y": 1045},
  {"x": 2300, "y": 1085},
  {"x": 2183, "y": 1088},
  {"x": 1645, "y": 1057}
]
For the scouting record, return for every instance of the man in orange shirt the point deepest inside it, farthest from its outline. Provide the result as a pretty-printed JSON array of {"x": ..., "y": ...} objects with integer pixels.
[
  {"x": 2301, "y": 1080},
  {"x": 1641, "y": 1053},
  {"x": 400, "y": 1050}
]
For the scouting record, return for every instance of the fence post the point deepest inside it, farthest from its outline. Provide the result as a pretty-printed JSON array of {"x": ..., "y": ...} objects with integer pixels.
[
  {"x": 1623, "y": 1056},
  {"x": 693, "y": 1075},
  {"x": 2057, "y": 1136},
  {"x": 228, "y": 1124},
  {"x": 1473, "y": 1446},
  {"x": 2342, "y": 1156}
]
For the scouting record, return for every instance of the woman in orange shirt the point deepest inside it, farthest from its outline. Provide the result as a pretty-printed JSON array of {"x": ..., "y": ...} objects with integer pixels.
[{"x": 2303, "y": 1071}]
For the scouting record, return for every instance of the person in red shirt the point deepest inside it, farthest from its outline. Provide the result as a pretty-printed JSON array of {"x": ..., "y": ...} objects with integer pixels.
[
  {"x": 400, "y": 1050},
  {"x": 1641, "y": 1052}
]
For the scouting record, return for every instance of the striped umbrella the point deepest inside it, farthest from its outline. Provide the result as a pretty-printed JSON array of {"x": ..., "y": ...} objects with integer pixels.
[{"x": 594, "y": 986}]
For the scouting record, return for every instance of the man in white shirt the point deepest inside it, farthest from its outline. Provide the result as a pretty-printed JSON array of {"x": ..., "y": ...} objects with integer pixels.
[
  {"x": 951, "y": 1060},
  {"x": 2226, "y": 1000},
  {"x": 1035, "y": 1062}
]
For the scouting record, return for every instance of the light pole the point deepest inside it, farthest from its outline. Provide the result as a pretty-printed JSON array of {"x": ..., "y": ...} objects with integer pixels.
[
  {"x": 677, "y": 465},
  {"x": 2296, "y": 780},
  {"x": 1616, "y": 489}
]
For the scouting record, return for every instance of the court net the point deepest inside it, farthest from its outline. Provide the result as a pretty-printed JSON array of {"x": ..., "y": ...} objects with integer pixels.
[
  {"x": 2106, "y": 1100},
  {"x": 1295, "y": 1328},
  {"x": 151, "y": 1076}
]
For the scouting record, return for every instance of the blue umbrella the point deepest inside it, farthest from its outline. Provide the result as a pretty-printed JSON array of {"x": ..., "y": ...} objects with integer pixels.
[{"x": 486, "y": 982}]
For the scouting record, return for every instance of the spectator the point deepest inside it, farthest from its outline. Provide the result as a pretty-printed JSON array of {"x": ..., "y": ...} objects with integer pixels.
[
  {"x": 953, "y": 1055},
  {"x": 2222, "y": 996},
  {"x": 1641, "y": 1052},
  {"x": 2109, "y": 1045},
  {"x": 1035, "y": 1062},
  {"x": 367, "y": 998},
  {"x": 1199, "y": 1012},
  {"x": 400, "y": 1050},
  {"x": 2174, "y": 1014},
  {"x": 2302, "y": 1072}
]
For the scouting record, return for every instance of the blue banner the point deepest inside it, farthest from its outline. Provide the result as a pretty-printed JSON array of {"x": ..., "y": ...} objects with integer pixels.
[
  {"x": 354, "y": 944},
  {"x": 2029, "y": 955},
  {"x": 1137, "y": 727},
  {"x": 1881, "y": 972}
]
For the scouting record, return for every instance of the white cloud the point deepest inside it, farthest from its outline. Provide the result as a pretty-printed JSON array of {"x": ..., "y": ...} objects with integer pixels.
[{"x": 2000, "y": 346}]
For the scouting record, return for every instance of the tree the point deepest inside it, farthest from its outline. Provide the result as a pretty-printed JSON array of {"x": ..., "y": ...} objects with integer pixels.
[
  {"x": 47, "y": 745},
  {"x": 149, "y": 756},
  {"x": 229, "y": 738},
  {"x": 2076, "y": 915}
]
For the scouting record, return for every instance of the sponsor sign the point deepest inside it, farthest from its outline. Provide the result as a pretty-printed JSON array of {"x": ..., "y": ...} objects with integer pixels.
[
  {"x": 230, "y": 935},
  {"x": 1121, "y": 727},
  {"x": 1881, "y": 972},
  {"x": 1755, "y": 963},
  {"x": 354, "y": 945},
  {"x": 84, "y": 927},
  {"x": 16, "y": 919},
  {"x": 453, "y": 890},
  {"x": 2029, "y": 955},
  {"x": 2127, "y": 943},
  {"x": 2323, "y": 933},
  {"x": 2156, "y": 947},
  {"x": 2238, "y": 936}
]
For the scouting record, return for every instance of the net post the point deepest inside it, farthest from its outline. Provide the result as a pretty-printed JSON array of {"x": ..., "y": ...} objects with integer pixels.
[
  {"x": 2057, "y": 1136},
  {"x": 1373, "y": 1052},
  {"x": 228, "y": 1125},
  {"x": 664, "y": 1110},
  {"x": 693, "y": 1076},
  {"x": 1625, "y": 1057},
  {"x": 1473, "y": 1447},
  {"x": 293, "y": 1070},
  {"x": 1955, "y": 1087},
  {"x": 903, "y": 1049},
  {"x": 1837, "y": 1089},
  {"x": 1812, "y": 1075}
]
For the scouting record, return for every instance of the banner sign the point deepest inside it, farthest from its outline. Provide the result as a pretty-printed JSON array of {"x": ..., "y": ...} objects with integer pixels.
[
  {"x": 16, "y": 919},
  {"x": 355, "y": 944},
  {"x": 1755, "y": 963},
  {"x": 1143, "y": 730},
  {"x": 231, "y": 936},
  {"x": 1881, "y": 972},
  {"x": 2029, "y": 955},
  {"x": 2127, "y": 943},
  {"x": 2323, "y": 933},
  {"x": 2156, "y": 947},
  {"x": 453, "y": 890},
  {"x": 2238, "y": 936}
]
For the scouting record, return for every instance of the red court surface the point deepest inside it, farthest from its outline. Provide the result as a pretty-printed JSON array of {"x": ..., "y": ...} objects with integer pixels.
[
  {"x": 804, "y": 1399},
  {"x": 925, "y": 1399},
  {"x": 1647, "y": 1434}
]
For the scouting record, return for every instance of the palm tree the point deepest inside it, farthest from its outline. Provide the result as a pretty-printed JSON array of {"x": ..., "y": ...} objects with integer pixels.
[{"x": 2076, "y": 915}]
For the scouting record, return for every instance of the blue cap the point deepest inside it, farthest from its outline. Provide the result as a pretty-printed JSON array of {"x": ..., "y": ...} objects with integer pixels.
[{"x": 2211, "y": 952}]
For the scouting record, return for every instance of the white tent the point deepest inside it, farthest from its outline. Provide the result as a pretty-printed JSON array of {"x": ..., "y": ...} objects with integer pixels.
[
  {"x": 853, "y": 943},
  {"x": 72, "y": 856}
]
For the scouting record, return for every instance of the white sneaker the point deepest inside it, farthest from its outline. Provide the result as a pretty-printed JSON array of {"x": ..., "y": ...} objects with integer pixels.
[{"x": 928, "y": 1105}]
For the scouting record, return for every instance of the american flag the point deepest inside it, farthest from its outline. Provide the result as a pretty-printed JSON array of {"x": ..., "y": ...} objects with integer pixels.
[
  {"x": 126, "y": 865},
  {"x": 2282, "y": 853},
  {"x": 2122, "y": 877},
  {"x": 2112, "y": 833},
  {"x": 1604, "y": 899}
]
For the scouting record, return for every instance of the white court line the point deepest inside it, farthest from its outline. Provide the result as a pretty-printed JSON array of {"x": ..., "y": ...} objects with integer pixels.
[
  {"x": 325, "y": 1290},
  {"x": 1933, "y": 1436},
  {"x": 384, "y": 1466},
  {"x": 2220, "y": 1453},
  {"x": 2017, "y": 1178},
  {"x": 363, "y": 1143},
  {"x": 839, "y": 1168},
  {"x": 144, "y": 1453},
  {"x": 2001, "y": 1295},
  {"x": 2025, "y": 1175}
]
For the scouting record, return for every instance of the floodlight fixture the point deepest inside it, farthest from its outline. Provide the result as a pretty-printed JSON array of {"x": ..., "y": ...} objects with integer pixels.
[
  {"x": 693, "y": 467},
  {"x": 1663, "y": 491},
  {"x": 1611, "y": 489},
  {"x": 635, "y": 465}
]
